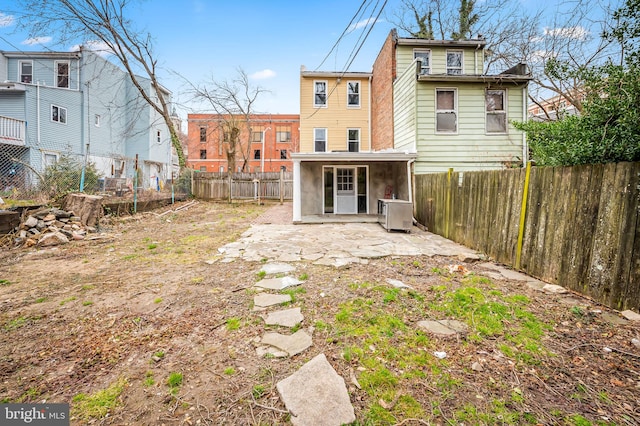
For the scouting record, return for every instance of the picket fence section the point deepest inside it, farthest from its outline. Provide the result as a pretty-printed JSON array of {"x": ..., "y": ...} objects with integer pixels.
[
  {"x": 578, "y": 227},
  {"x": 243, "y": 186}
]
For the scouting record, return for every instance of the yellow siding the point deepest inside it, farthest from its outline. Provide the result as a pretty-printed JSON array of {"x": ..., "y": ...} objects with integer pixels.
[{"x": 336, "y": 117}]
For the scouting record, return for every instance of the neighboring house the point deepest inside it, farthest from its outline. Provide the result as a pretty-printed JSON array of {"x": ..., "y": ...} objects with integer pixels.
[
  {"x": 336, "y": 171},
  {"x": 552, "y": 108},
  {"x": 431, "y": 97},
  {"x": 79, "y": 105},
  {"x": 264, "y": 144}
]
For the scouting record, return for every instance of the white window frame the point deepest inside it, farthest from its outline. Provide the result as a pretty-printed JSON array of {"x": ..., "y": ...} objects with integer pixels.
[
  {"x": 316, "y": 93},
  {"x": 46, "y": 154},
  {"x": 286, "y": 133},
  {"x": 59, "y": 114},
  {"x": 316, "y": 140},
  {"x": 357, "y": 94},
  {"x": 349, "y": 141},
  {"x": 425, "y": 69},
  {"x": 447, "y": 111},
  {"x": 58, "y": 75},
  {"x": 20, "y": 74},
  {"x": 502, "y": 112},
  {"x": 460, "y": 70}
]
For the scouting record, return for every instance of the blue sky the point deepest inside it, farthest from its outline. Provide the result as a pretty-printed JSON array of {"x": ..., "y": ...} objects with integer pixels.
[{"x": 204, "y": 39}]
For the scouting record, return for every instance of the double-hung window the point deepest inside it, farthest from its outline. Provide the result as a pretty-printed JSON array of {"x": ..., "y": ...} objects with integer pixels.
[
  {"x": 203, "y": 154},
  {"x": 203, "y": 134},
  {"x": 283, "y": 134},
  {"x": 496, "y": 112},
  {"x": 454, "y": 62},
  {"x": 58, "y": 114},
  {"x": 320, "y": 140},
  {"x": 353, "y": 136},
  {"x": 446, "y": 111},
  {"x": 26, "y": 71},
  {"x": 62, "y": 74},
  {"x": 425, "y": 57},
  {"x": 256, "y": 136},
  {"x": 320, "y": 94},
  {"x": 283, "y": 154},
  {"x": 353, "y": 95}
]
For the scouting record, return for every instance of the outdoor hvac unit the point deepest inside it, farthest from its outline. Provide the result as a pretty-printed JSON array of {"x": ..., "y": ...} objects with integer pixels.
[{"x": 395, "y": 214}]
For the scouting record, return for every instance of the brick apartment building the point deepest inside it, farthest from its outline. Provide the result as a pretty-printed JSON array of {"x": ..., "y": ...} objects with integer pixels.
[{"x": 264, "y": 144}]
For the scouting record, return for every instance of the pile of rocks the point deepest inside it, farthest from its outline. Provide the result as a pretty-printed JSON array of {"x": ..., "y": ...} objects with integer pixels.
[{"x": 50, "y": 227}]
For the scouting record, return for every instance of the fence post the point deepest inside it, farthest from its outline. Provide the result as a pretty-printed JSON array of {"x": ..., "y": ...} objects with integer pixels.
[
  {"x": 523, "y": 213},
  {"x": 135, "y": 187},
  {"x": 447, "y": 211},
  {"x": 281, "y": 185}
]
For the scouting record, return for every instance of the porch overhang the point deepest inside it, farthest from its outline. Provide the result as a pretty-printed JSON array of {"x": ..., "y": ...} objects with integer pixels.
[{"x": 350, "y": 157}]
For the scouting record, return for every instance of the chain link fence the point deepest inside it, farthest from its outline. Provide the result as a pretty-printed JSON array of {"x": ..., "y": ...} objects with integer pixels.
[{"x": 40, "y": 175}]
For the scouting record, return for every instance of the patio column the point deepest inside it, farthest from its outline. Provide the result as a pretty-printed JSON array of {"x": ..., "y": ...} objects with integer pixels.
[{"x": 297, "y": 192}]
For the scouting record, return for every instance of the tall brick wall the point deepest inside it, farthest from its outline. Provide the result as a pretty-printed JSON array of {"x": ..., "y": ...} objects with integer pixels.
[{"x": 384, "y": 73}]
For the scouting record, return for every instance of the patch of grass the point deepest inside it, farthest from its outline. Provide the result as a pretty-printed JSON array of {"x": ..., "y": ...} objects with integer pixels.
[
  {"x": 87, "y": 303},
  {"x": 40, "y": 299},
  {"x": 152, "y": 246},
  {"x": 174, "y": 381},
  {"x": 29, "y": 395},
  {"x": 293, "y": 292},
  {"x": 130, "y": 256},
  {"x": 233, "y": 323},
  {"x": 197, "y": 280},
  {"x": 98, "y": 404},
  {"x": 321, "y": 325},
  {"x": 258, "y": 391},
  {"x": 260, "y": 275},
  {"x": 303, "y": 277},
  {"x": 157, "y": 300},
  {"x": 16, "y": 323},
  {"x": 148, "y": 379},
  {"x": 67, "y": 300},
  {"x": 5, "y": 282},
  {"x": 159, "y": 354},
  {"x": 87, "y": 287},
  {"x": 229, "y": 371}
]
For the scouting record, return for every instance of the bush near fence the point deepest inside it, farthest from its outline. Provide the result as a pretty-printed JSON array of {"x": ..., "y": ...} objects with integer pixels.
[
  {"x": 581, "y": 224},
  {"x": 215, "y": 186}
]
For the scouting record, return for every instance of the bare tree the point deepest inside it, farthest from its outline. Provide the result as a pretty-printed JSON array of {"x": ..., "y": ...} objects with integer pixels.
[
  {"x": 106, "y": 21},
  {"x": 234, "y": 100}
]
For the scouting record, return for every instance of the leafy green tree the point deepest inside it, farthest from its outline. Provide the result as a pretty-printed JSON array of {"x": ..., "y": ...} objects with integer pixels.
[{"x": 608, "y": 130}]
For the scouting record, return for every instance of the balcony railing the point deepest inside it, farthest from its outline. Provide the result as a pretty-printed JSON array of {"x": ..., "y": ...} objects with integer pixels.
[{"x": 12, "y": 131}]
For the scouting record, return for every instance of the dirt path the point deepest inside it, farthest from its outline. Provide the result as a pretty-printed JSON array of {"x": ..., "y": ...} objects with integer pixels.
[{"x": 149, "y": 312}]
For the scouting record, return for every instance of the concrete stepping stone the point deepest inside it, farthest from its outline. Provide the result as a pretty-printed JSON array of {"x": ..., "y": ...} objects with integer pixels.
[
  {"x": 278, "y": 283},
  {"x": 263, "y": 351},
  {"x": 277, "y": 268},
  {"x": 265, "y": 300},
  {"x": 447, "y": 328},
  {"x": 293, "y": 344},
  {"x": 316, "y": 395},
  {"x": 286, "y": 318},
  {"x": 630, "y": 315}
]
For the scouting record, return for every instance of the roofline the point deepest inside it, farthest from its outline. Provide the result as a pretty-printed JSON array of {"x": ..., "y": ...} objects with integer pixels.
[
  {"x": 66, "y": 55},
  {"x": 476, "y": 78},
  {"x": 418, "y": 42},
  {"x": 354, "y": 156},
  {"x": 336, "y": 74}
]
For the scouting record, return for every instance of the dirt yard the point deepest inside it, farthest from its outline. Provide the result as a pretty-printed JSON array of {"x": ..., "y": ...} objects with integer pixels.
[{"x": 144, "y": 325}]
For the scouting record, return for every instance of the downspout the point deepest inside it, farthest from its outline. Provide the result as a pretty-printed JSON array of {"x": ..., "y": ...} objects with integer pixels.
[
  {"x": 525, "y": 148},
  {"x": 409, "y": 180},
  {"x": 369, "y": 123},
  {"x": 38, "y": 112},
  {"x": 297, "y": 192}
]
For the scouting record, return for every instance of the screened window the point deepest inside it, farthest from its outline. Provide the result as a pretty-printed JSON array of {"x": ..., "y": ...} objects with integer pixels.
[
  {"x": 26, "y": 72},
  {"x": 446, "y": 111},
  {"x": 283, "y": 134},
  {"x": 203, "y": 134},
  {"x": 353, "y": 136},
  {"x": 283, "y": 154},
  {"x": 62, "y": 74},
  {"x": 320, "y": 94},
  {"x": 58, "y": 114},
  {"x": 320, "y": 140},
  {"x": 454, "y": 62},
  {"x": 203, "y": 154},
  {"x": 496, "y": 112},
  {"x": 353, "y": 96},
  {"x": 425, "y": 56}
]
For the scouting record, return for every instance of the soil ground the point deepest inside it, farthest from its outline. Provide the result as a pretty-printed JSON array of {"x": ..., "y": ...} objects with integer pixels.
[{"x": 146, "y": 298}]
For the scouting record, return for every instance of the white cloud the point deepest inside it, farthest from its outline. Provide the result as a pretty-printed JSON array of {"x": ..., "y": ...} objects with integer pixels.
[
  {"x": 6, "y": 20},
  {"x": 577, "y": 33},
  {"x": 263, "y": 75},
  {"x": 362, "y": 24},
  {"x": 37, "y": 40}
]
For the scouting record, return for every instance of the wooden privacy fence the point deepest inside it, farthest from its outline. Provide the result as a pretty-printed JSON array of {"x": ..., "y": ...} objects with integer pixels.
[
  {"x": 577, "y": 226},
  {"x": 215, "y": 186}
]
